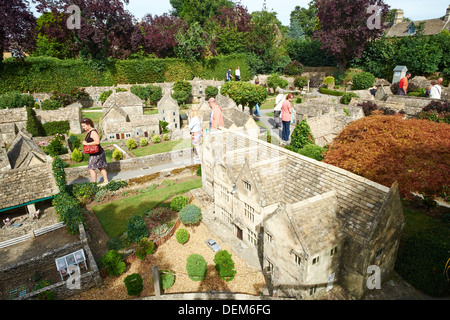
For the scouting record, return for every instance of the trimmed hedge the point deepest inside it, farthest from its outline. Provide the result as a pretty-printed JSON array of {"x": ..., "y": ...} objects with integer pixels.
[
  {"x": 54, "y": 127},
  {"x": 196, "y": 267},
  {"x": 46, "y": 74}
]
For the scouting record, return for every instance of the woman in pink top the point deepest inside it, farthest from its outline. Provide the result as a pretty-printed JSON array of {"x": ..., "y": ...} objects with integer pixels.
[{"x": 286, "y": 117}]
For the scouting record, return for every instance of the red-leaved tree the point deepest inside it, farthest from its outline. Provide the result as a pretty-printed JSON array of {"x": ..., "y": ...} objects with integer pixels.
[{"x": 346, "y": 26}]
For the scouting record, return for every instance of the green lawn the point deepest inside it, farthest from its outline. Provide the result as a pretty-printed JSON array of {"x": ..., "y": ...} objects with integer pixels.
[
  {"x": 114, "y": 215},
  {"x": 165, "y": 146},
  {"x": 94, "y": 116}
]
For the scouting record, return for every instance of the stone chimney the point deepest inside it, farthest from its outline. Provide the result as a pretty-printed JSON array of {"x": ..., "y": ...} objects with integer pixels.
[
  {"x": 447, "y": 14},
  {"x": 398, "y": 16}
]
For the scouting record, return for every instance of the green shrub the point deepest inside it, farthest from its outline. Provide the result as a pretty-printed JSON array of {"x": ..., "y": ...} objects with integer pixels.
[
  {"x": 312, "y": 151},
  {"x": 331, "y": 92},
  {"x": 53, "y": 127},
  {"x": 34, "y": 125},
  {"x": 182, "y": 235},
  {"x": 211, "y": 92},
  {"x": 105, "y": 95},
  {"x": 69, "y": 211},
  {"x": 134, "y": 284},
  {"x": 329, "y": 80},
  {"x": 51, "y": 104},
  {"x": 181, "y": 97},
  {"x": 363, "y": 81},
  {"x": 422, "y": 259},
  {"x": 163, "y": 125},
  {"x": 131, "y": 144},
  {"x": 115, "y": 243},
  {"x": 300, "y": 82},
  {"x": 144, "y": 248},
  {"x": 190, "y": 214},
  {"x": 156, "y": 139},
  {"x": 293, "y": 68},
  {"x": 166, "y": 137},
  {"x": 179, "y": 202},
  {"x": 117, "y": 155},
  {"x": 56, "y": 146},
  {"x": 136, "y": 229},
  {"x": 113, "y": 263},
  {"x": 46, "y": 295},
  {"x": 196, "y": 267},
  {"x": 84, "y": 191},
  {"x": 224, "y": 265},
  {"x": 199, "y": 171},
  {"x": 301, "y": 136},
  {"x": 115, "y": 185},
  {"x": 15, "y": 99},
  {"x": 74, "y": 142},
  {"x": 274, "y": 81},
  {"x": 167, "y": 278},
  {"x": 347, "y": 97},
  {"x": 77, "y": 155},
  {"x": 143, "y": 142}
]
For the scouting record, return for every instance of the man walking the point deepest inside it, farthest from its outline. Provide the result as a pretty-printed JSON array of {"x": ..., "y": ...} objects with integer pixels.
[{"x": 403, "y": 85}]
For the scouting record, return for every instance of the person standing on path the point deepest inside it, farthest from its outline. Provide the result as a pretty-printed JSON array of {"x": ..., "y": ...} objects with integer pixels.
[
  {"x": 228, "y": 76},
  {"x": 403, "y": 85},
  {"x": 277, "y": 109},
  {"x": 436, "y": 89},
  {"x": 257, "y": 112},
  {"x": 216, "y": 119},
  {"x": 237, "y": 74},
  {"x": 195, "y": 128},
  {"x": 286, "y": 117},
  {"x": 96, "y": 160}
]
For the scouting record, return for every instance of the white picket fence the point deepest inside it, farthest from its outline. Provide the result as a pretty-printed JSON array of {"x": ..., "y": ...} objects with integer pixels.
[{"x": 27, "y": 237}]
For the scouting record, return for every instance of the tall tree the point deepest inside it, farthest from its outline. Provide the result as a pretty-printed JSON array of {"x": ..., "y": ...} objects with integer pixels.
[
  {"x": 17, "y": 25},
  {"x": 306, "y": 18},
  {"x": 345, "y": 27},
  {"x": 105, "y": 26},
  {"x": 157, "y": 34},
  {"x": 198, "y": 10}
]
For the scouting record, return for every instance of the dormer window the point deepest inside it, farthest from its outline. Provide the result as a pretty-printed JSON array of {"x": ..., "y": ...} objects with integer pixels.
[
  {"x": 411, "y": 28},
  {"x": 247, "y": 186}
]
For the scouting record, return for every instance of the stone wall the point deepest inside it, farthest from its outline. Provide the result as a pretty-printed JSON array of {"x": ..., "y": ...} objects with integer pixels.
[{"x": 180, "y": 156}]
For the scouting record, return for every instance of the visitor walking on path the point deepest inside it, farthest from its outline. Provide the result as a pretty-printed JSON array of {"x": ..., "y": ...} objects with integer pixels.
[
  {"x": 216, "y": 119},
  {"x": 195, "y": 128},
  {"x": 96, "y": 160},
  {"x": 286, "y": 117},
  {"x": 403, "y": 85},
  {"x": 277, "y": 109},
  {"x": 257, "y": 112},
  {"x": 237, "y": 74},
  {"x": 228, "y": 76},
  {"x": 436, "y": 90}
]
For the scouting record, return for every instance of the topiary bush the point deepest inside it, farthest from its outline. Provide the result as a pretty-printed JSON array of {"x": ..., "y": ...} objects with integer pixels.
[
  {"x": 224, "y": 265},
  {"x": 117, "y": 155},
  {"x": 182, "y": 235},
  {"x": 136, "y": 229},
  {"x": 144, "y": 248},
  {"x": 179, "y": 202},
  {"x": 131, "y": 144},
  {"x": 274, "y": 81},
  {"x": 77, "y": 155},
  {"x": 301, "y": 136},
  {"x": 113, "y": 263},
  {"x": 312, "y": 151},
  {"x": 300, "y": 82},
  {"x": 143, "y": 142},
  {"x": 190, "y": 214},
  {"x": 134, "y": 284},
  {"x": 167, "y": 279},
  {"x": 211, "y": 92},
  {"x": 156, "y": 139},
  {"x": 196, "y": 267},
  {"x": 363, "y": 81},
  {"x": 347, "y": 97}
]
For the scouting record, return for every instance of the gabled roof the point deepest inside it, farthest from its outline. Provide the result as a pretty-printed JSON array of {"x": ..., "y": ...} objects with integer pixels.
[
  {"x": 121, "y": 112},
  {"x": 23, "y": 150},
  {"x": 431, "y": 27},
  {"x": 123, "y": 99},
  {"x": 167, "y": 102}
]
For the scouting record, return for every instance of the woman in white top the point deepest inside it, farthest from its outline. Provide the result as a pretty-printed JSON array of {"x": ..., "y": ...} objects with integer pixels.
[
  {"x": 195, "y": 128},
  {"x": 277, "y": 109},
  {"x": 237, "y": 74},
  {"x": 435, "y": 91}
]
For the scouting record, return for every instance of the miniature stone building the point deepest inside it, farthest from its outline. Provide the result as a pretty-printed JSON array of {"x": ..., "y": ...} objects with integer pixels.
[
  {"x": 123, "y": 118},
  {"x": 316, "y": 224},
  {"x": 24, "y": 152},
  {"x": 169, "y": 111}
]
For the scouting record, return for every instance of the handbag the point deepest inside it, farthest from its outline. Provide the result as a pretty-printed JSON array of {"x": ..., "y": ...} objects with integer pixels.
[{"x": 91, "y": 149}]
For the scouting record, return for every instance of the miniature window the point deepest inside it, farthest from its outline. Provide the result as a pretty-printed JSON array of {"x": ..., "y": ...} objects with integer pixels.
[
  {"x": 297, "y": 259},
  {"x": 251, "y": 236},
  {"x": 269, "y": 266},
  {"x": 247, "y": 186},
  {"x": 249, "y": 212},
  {"x": 127, "y": 135},
  {"x": 112, "y": 136},
  {"x": 312, "y": 290},
  {"x": 333, "y": 251},
  {"x": 378, "y": 254},
  {"x": 315, "y": 260},
  {"x": 269, "y": 237}
]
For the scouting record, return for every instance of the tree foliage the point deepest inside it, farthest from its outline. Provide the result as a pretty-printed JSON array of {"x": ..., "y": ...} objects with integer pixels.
[
  {"x": 244, "y": 93},
  {"x": 384, "y": 149}
]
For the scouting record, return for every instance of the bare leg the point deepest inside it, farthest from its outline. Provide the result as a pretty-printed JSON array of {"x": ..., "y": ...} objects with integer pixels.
[
  {"x": 104, "y": 175},
  {"x": 93, "y": 175}
]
